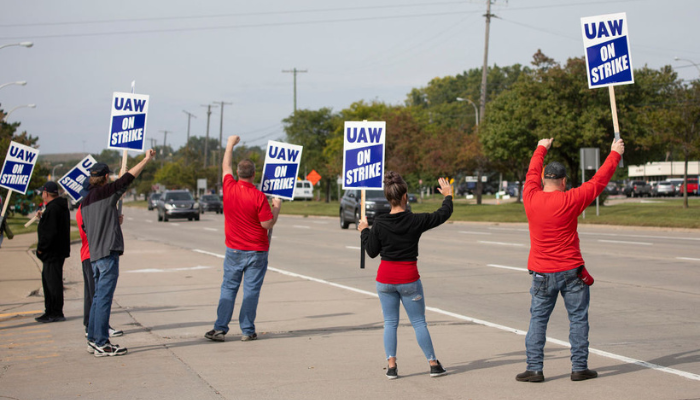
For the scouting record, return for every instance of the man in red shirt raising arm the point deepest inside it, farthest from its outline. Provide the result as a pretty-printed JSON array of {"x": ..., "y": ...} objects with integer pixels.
[
  {"x": 247, "y": 219},
  {"x": 555, "y": 256}
]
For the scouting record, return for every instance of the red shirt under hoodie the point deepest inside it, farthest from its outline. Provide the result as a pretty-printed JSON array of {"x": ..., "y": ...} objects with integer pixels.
[{"x": 553, "y": 216}]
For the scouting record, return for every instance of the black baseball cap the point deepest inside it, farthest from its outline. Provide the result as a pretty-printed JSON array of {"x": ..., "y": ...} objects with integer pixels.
[
  {"x": 554, "y": 170},
  {"x": 50, "y": 187},
  {"x": 99, "y": 169}
]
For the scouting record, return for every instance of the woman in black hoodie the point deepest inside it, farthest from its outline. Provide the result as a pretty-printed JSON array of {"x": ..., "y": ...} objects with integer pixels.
[{"x": 395, "y": 236}]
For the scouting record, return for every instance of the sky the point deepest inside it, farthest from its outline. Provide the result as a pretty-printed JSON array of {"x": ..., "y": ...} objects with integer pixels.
[{"x": 186, "y": 54}]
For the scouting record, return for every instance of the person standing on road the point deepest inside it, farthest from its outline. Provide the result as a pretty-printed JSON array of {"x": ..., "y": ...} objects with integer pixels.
[
  {"x": 88, "y": 276},
  {"x": 555, "y": 260},
  {"x": 248, "y": 218},
  {"x": 395, "y": 236},
  {"x": 53, "y": 249},
  {"x": 106, "y": 244}
]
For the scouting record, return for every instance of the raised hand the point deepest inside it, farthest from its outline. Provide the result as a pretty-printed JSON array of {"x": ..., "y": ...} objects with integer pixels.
[
  {"x": 445, "y": 187},
  {"x": 547, "y": 143}
]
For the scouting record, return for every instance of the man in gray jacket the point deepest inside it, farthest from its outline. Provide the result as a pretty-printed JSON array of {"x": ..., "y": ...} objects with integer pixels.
[{"x": 104, "y": 234}]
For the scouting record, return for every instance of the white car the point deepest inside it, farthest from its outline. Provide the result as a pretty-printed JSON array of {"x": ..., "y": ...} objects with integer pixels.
[{"x": 304, "y": 190}]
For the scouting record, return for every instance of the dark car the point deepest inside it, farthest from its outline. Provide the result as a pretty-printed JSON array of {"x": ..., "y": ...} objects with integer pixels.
[
  {"x": 637, "y": 189},
  {"x": 210, "y": 202},
  {"x": 612, "y": 188},
  {"x": 153, "y": 201},
  {"x": 375, "y": 204},
  {"x": 177, "y": 204},
  {"x": 470, "y": 188}
]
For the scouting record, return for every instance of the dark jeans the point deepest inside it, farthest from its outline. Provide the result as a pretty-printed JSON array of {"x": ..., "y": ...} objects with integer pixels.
[
  {"x": 89, "y": 290},
  {"x": 545, "y": 290},
  {"x": 52, "y": 281}
]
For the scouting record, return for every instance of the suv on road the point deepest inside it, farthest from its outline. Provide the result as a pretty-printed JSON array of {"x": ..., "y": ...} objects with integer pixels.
[
  {"x": 210, "y": 202},
  {"x": 375, "y": 204},
  {"x": 177, "y": 204}
]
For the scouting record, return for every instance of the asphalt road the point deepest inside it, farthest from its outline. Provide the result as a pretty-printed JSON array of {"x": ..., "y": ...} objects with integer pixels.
[{"x": 645, "y": 303}]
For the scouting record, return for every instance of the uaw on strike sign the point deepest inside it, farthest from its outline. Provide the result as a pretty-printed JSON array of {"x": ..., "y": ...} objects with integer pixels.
[
  {"x": 74, "y": 181},
  {"x": 18, "y": 167},
  {"x": 281, "y": 169},
  {"x": 608, "y": 58},
  {"x": 363, "y": 155},
  {"x": 127, "y": 129}
]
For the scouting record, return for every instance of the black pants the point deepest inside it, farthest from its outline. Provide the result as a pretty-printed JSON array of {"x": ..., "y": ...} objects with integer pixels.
[
  {"x": 52, "y": 281},
  {"x": 89, "y": 291}
]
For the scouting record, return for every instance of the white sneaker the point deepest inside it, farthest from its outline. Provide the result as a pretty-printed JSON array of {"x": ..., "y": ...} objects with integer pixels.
[{"x": 115, "y": 332}]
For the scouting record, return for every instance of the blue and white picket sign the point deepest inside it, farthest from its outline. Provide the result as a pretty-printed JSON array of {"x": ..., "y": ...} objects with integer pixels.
[
  {"x": 18, "y": 167},
  {"x": 127, "y": 128},
  {"x": 281, "y": 169},
  {"x": 607, "y": 45},
  {"x": 363, "y": 155},
  {"x": 75, "y": 179}
]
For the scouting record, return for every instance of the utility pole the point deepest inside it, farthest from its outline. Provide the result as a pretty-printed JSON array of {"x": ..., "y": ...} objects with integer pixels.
[
  {"x": 189, "y": 118},
  {"x": 221, "y": 138},
  {"x": 206, "y": 142},
  {"x": 295, "y": 72},
  {"x": 153, "y": 142},
  {"x": 482, "y": 100},
  {"x": 165, "y": 137}
]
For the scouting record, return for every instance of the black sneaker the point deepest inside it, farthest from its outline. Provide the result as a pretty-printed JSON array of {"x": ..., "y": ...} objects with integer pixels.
[
  {"x": 217, "y": 336},
  {"x": 57, "y": 318},
  {"x": 248, "y": 338},
  {"x": 530, "y": 376},
  {"x": 437, "y": 370},
  {"x": 392, "y": 373},
  {"x": 109, "y": 350},
  {"x": 583, "y": 375},
  {"x": 43, "y": 319}
]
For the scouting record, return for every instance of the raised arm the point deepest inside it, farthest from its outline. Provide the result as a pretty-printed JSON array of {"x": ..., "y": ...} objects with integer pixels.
[
  {"x": 136, "y": 169},
  {"x": 533, "y": 179},
  {"x": 442, "y": 214},
  {"x": 226, "y": 167},
  {"x": 588, "y": 191}
]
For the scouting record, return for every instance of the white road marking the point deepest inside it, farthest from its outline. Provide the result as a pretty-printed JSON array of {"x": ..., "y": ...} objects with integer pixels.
[
  {"x": 129, "y": 219},
  {"x": 510, "y": 229},
  {"x": 639, "y": 236},
  {"x": 157, "y": 270},
  {"x": 149, "y": 221},
  {"x": 506, "y": 267},
  {"x": 321, "y": 222},
  {"x": 211, "y": 229},
  {"x": 618, "y": 357},
  {"x": 501, "y": 243},
  {"x": 623, "y": 242},
  {"x": 475, "y": 233},
  {"x": 688, "y": 258},
  {"x": 174, "y": 224},
  {"x": 302, "y": 226},
  {"x": 353, "y": 247}
]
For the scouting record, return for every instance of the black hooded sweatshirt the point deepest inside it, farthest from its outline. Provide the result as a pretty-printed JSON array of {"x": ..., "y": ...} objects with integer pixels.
[
  {"x": 396, "y": 236},
  {"x": 54, "y": 231}
]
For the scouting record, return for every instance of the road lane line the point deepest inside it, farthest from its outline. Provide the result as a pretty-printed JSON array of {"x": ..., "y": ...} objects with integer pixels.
[
  {"x": 501, "y": 243},
  {"x": 353, "y": 247},
  {"x": 321, "y": 222},
  {"x": 211, "y": 229},
  {"x": 302, "y": 226},
  {"x": 510, "y": 229},
  {"x": 475, "y": 233},
  {"x": 129, "y": 219},
  {"x": 174, "y": 224},
  {"x": 156, "y": 270},
  {"x": 623, "y": 242},
  {"x": 639, "y": 236},
  {"x": 562, "y": 343},
  {"x": 149, "y": 221},
  {"x": 688, "y": 258},
  {"x": 506, "y": 267},
  {"x": 20, "y": 313}
]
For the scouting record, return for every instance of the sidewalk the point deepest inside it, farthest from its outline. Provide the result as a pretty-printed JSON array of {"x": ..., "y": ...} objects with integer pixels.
[{"x": 316, "y": 342}]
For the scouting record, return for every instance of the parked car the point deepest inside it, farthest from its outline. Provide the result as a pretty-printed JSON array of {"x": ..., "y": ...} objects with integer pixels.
[
  {"x": 470, "y": 188},
  {"x": 663, "y": 188},
  {"x": 612, "y": 188},
  {"x": 375, "y": 204},
  {"x": 692, "y": 186},
  {"x": 153, "y": 201},
  {"x": 412, "y": 198},
  {"x": 304, "y": 190},
  {"x": 512, "y": 189},
  {"x": 637, "y": 189},
  {"x": 210, "y": 202},
  {"x": 177, "y": 204}
]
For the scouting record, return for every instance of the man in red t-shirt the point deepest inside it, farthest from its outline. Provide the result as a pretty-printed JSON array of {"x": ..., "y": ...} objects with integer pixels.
[
  {"x": 555, "y": 256},
  {"x": 248, "y": 218}
]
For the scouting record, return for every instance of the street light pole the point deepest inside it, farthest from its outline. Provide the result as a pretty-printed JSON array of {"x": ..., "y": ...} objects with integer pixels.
[
  {"x": 476, "y": 111},
  {"x": 189, "y": 118},
  {"x": 53, "y": 170},
  {"x": 23, "y": 44},
  {"x": 18, "y": 83},
  {"x": 26, "y": 105},
  {"x": 690, "y": 61}
]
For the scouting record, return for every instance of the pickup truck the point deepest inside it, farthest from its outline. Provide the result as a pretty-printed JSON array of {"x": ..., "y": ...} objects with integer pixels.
[{"x": 638, "y": 189}]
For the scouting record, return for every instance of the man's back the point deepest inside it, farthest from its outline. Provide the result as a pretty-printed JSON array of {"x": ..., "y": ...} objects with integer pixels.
[{"x": 244, "y": 208}]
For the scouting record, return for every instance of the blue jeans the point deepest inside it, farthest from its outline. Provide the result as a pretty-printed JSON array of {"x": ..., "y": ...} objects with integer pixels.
[
  {"x": 545, "y": 290},
  {"x": 106, "y": 273},
  {"x": 411, "y": 295},
  {"x": 239, "y": 264}
]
